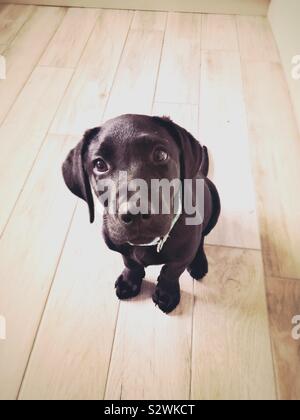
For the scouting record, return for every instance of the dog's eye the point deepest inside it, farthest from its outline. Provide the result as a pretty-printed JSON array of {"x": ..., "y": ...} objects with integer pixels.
[
  {"x": 100, "y": 166},
  {"x": 160, "y": 156}
]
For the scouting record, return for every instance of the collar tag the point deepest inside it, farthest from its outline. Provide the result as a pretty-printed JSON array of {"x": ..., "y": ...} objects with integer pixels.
[{"x": 160, "y": 245}]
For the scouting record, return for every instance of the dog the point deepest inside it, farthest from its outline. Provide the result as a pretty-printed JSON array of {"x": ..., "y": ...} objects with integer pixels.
[{"x": 147, "y": 148}]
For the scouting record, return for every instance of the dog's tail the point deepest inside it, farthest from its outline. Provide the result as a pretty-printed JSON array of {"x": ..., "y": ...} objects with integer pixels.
[{"x": 204, "y": 168}]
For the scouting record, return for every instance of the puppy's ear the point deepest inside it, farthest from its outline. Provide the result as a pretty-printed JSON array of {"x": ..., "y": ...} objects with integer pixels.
[
  {"x": 75, "y": 174},
  {"x": 194, "y": 157}
]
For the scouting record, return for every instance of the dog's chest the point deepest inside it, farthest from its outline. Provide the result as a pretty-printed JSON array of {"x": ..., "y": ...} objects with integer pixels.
[{"x": 149, "y": 256}]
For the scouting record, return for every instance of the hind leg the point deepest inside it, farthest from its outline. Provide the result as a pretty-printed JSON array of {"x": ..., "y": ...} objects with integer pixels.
[{"x": 199, "y": 267}]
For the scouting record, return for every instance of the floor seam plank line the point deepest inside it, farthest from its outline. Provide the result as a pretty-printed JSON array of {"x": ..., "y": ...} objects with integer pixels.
[
  {"x": 160, "y": 60},
  {"x": 192, "y": 340},
  {"x": 112, "y": 348},
  {"x": 233, "y": 247},
  {"x": 285, "y": 278}
]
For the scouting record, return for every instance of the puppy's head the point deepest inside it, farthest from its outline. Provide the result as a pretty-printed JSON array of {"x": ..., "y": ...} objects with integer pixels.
[{"x": 122, "y": 162}]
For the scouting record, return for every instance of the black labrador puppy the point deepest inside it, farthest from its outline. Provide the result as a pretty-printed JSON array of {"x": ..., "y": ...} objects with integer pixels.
[{"x": 148, "y": 148}]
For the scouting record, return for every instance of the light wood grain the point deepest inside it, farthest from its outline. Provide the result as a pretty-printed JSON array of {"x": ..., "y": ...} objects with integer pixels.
[
  {"x": 276, "y": 147},
  {"x": 223, "y": 129},
  {"x": 183, "y": 114},
  {"x": 78, "y": 325},
  {"x": 69, "y": 41},
  {"x": 24, "y": 130},
  {"x": 29, "y": 252},
  {"x": 152, "y": 350},
  {"x": 256, "y": 39},
  {"x": 137, "y": 71},
  {"x": 12, "y": 18},
  {"x": 179, "y": 75},
  {"x": 21, "y": 57},
  {"x": 231, "y": 345},
  {"x": 87, "y": 95},
  {"x": 284, "y": 305},
  {"x": 219, "y": 32}
]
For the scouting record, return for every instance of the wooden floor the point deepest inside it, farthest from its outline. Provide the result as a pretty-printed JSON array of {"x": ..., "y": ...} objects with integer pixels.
[{"x": 68, "y": 337}]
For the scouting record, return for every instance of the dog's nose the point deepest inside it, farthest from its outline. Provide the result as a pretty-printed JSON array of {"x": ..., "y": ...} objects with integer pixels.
[{"x": 129, "y": 218}]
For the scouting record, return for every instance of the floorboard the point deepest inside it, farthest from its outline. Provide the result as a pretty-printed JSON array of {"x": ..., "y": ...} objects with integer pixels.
[
  {"x": 274, "y": 142},
  {"x": 67, "y": 45},
  {"x": 137, "y": 71},
  {"x": 21, "y": 58},
  {"x": 24, "y": 130},
  {"x": 179, "y": 75},
  {"x": 232, "y": 356},
  {"x": 223, "y": 129},
  {"x": 88, "y": 93},
  {"x": 12, "y": 18},
  {"x": 34, "y": 238},
  {"x": 256, "y": 39},
  {"x": 219, "y": 33}
]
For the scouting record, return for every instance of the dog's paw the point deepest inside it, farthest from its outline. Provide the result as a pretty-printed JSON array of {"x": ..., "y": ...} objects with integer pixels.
[
  {"x": 198, "y": 270},
  {"x": 125, "y": 289},
  {"x": 166, "y": 297},
  {"x": 198, "y": 273}
]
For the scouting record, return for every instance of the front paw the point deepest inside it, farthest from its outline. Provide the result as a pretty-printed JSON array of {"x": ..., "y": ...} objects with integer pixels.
[
  {"x": 198, "y": 272},
  {"x": 167, "y": 297},
  {"x": 126, "y": 289},
  {"x": 198, "y": 269}
]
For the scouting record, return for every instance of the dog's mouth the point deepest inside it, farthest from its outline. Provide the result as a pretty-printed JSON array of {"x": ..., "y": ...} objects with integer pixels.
[
  {"x": 143, "y": 240},
  {"x": 135, "y": 235}
]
